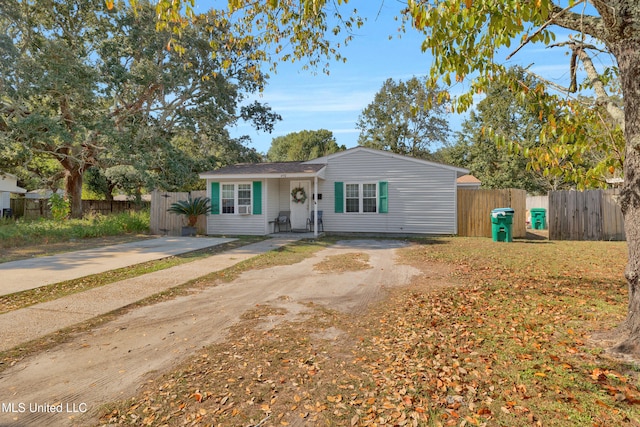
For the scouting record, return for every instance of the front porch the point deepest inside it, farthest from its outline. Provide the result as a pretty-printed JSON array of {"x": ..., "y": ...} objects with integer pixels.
[{"x": 248, "y": 199}]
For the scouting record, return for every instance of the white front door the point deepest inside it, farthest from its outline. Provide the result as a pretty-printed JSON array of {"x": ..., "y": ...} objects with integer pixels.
[{"x": 300, "y": 209}]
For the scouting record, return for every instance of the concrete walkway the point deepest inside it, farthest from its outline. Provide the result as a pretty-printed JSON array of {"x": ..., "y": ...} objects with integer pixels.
[{"x": 23, "y": 325}]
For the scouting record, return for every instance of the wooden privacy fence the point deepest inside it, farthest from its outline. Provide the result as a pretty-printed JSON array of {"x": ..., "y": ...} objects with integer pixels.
[
  {"x": 166, "y": 223},
  {"x": 475, "y": 206},
  {"x": 585, "y": 215},
  {"x": 39, "y": 208}
]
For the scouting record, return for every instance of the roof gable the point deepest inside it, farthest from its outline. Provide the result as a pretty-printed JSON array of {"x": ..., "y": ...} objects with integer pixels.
[
  {"x": 9, "y": 183},
  {"x": 389, "y": 154}
]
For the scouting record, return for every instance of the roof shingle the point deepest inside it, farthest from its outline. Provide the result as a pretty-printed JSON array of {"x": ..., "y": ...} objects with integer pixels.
[{"x": 266, "y": 168}]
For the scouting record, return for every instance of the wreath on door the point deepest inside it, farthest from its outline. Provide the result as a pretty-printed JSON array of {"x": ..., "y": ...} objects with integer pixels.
[{"x": 298, "y": 195}]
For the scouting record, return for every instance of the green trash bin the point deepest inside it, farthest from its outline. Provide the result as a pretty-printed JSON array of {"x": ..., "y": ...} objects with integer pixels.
[
  {"x": 538, "y": 218},
  {"x": 502, "y": 224}
]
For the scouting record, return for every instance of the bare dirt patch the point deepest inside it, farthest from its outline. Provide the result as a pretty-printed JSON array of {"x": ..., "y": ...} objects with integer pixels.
[
  {"x": 113, "y": 360},
  {"x": 345, "y": 262}
]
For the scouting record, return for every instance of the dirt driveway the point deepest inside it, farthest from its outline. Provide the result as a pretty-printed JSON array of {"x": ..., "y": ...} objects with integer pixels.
[{"x": 69, "y": 383}]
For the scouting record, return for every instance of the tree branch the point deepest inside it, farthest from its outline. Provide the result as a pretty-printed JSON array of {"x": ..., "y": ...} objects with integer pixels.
[
  {"x": 586, "y": 24},
  {"x": 557, "y": 13},
  {"x": 616, "y": 113},
  {"x": 547, "y": 82}
]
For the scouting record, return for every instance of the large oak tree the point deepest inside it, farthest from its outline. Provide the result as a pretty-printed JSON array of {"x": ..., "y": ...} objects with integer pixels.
[{"x": 95, "y": 86}]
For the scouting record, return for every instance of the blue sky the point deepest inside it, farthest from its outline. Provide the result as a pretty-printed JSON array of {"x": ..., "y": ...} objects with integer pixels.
[{"x": 308, "y": 101}]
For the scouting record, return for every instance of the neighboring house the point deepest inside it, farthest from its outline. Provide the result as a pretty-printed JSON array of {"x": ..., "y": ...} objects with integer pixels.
[
  {"x": 43, "y": 193},
  {"x": 468, "y": 182},
  {"x": 359, "y": 190},
  {"x": 8, "y": 185},
  {"x": 125, "y": 198}
]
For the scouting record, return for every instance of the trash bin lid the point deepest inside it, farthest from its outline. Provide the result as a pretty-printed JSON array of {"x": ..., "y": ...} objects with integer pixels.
[
  {"x": 538, "y": 210},
  {"x": 502, "y": 212}
]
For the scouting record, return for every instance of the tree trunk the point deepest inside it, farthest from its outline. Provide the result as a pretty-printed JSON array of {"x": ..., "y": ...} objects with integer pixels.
[
  {"x": 73, "y": 186},
  {"x": 628, "y": 56}
]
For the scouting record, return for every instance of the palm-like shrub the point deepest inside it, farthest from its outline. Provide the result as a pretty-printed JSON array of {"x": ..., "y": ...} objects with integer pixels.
[{"x": 191, "y": 208}]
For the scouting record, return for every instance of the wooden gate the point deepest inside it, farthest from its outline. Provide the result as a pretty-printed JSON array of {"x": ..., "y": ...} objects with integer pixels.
[
  {"x": 475, "y": 206},
  {"x": 166, "y": 223}
]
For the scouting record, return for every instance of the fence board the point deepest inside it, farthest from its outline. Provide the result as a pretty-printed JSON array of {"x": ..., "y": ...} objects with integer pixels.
[
  {"x": 612, "y": 219},
  {"x": 165, "y": 223},
  {"x": 519, "y": 204},
  {"x": 475, "y": 206},
  {"x": 585, "y": 215}
]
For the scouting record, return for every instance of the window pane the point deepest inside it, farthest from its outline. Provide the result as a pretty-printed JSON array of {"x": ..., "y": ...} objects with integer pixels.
[
  {"x": 369, "y": 200},
  {"x": 352, "y": 190},
  {"x": 352, "y": 198},
  {"x": 244, "y": 194},
  {"x": 368, "y": 190},
  {"x": 369, "y": 205},
  {"x": 353, "y": 205},
  {"x": 228, "y": 196},
  {"x": 227, "y": 191},
  {"x": 227, "y": 206}
]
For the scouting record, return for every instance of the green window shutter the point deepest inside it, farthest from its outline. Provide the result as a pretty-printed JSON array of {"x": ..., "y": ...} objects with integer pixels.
[
  {"x": 215, "y": 198},
  {"x": 384, "y": 197},
  {"x": 257, "y": 197},
  {"x": 339, "y": 197}
]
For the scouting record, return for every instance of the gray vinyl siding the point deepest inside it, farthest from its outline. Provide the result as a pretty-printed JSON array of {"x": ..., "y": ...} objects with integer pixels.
[
  {"x": 272, "y": 201},
  {"x": 237, "y": 224},
  {"x": 422, "y": 197}
]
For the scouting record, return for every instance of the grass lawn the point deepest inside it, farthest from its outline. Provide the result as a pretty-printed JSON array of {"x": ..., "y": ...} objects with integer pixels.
[
  {"x": 490, "y": 334},
  {"x": 21, "y": 239}
]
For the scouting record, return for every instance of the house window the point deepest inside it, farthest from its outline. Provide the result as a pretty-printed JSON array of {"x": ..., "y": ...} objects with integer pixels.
[
  {"x": 236, "y": 198},
  {"x": 361, "y": 198},
  {"x": 244, "y": 198},
  {"x": 353, "y": 198},
  {"x": 369, "y": 198}
]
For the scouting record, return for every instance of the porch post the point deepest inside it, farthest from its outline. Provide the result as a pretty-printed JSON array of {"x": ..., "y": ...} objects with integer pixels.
[{"x": 315, "y": 206}]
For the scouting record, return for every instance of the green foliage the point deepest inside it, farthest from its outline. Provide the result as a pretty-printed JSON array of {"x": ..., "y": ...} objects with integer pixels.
[
  {"x": 304, "y": 145},
  {"x": 96, "y": 185},
  {"x": 88, "y": 87},
  {"x": 405, "y": 118},
  {"x": 60, "y": 207},
  {"x": 191, "y": 209},
  {"x": 502, "y": 116},
  {"x": 23, "y": 232},
  {"x": 579, "y": 142}
]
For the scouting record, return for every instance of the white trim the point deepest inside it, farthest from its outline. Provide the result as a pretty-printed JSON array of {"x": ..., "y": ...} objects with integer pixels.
[{"x": 214, "y": 176}]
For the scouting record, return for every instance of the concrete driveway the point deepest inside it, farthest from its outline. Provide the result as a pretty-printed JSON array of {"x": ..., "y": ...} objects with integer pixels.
[
  {"x": 109, "y": 362},
  {"x": 33, "y": 273}
]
